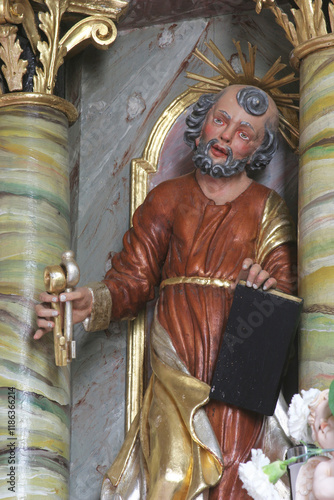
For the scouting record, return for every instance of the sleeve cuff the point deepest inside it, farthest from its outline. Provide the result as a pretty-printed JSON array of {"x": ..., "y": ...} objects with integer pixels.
[{"x": 101, "y": 308}]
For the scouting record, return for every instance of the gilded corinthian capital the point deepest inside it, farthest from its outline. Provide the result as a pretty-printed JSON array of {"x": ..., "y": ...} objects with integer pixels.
[
  {"x": 311, "y": 28},
  {"x": 96, "y": 24}
]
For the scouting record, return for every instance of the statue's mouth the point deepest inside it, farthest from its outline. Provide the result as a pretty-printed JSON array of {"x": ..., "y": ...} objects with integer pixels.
[{"x": 219, "y": 151}]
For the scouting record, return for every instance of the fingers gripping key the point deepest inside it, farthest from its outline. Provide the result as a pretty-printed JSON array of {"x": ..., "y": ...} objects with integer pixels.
[{"x": 58, "y": 279}]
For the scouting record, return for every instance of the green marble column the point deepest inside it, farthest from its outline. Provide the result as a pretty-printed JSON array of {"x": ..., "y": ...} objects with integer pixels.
[
  {"x": 309, "y": 29},
  {"x": 316, "y": 216},
  {"x": 34, "y": 231}
]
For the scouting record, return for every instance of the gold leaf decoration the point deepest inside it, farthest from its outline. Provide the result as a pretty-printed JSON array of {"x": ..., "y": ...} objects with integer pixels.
[
  {"x": 319, "y": 19},
  {"x": 50, "y": 55},
  {"x": 289, "y": 28},
  {"x": 100, "y": 30},
  {"x": 21, "y": 12},
  {"x": 113, "y": 9},
  {"x": 309, "y": 19},
  {"x": 97, "y": 28},
  {"x": 331, "y": 15},
  {"x": 263, "y": 4},
  {"x": 10, "y": 51}
]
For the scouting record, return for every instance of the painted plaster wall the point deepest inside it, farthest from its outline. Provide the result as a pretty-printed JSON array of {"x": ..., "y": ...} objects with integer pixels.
[{"x": 121, "y": 94}]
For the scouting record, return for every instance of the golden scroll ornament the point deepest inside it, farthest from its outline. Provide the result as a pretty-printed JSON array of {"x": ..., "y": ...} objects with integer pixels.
[{"x": 44, "y": 35}]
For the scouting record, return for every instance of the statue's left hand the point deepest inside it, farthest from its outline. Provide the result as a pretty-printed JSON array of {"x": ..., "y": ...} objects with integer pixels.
[{"x": 255, "y": 276}]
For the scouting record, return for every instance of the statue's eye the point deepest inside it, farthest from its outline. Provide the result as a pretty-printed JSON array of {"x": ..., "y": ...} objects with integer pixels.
[{"x": 244, "y": 136}]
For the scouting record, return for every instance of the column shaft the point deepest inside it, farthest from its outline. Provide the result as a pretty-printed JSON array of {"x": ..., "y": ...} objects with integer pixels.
[
  {"x": 34, "y": 231},
  {"x": 316, "y": 218}
]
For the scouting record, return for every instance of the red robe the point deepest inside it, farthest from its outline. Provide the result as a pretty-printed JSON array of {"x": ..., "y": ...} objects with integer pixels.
[{"x": 180, "y": 232}]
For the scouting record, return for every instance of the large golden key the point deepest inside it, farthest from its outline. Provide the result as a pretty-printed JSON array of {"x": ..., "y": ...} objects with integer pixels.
[{"x": 58, "y": 279}]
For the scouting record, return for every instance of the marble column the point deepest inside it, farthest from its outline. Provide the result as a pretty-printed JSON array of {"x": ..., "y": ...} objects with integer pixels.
[
  {"x": 316, "y": 216},
  {"x": 310, "y": 31},
  {"x": 34, "y": 231}
]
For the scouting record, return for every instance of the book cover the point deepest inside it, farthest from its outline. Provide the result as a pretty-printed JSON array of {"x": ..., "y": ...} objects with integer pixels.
[{"x": 255, "y": 348}]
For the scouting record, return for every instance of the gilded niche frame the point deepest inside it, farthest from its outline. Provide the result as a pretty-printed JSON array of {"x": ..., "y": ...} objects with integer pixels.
[{"x": 141, "y": 168}]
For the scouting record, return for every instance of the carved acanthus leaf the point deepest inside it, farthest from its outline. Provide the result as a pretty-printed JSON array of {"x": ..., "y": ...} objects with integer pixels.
[
  {"x": 283, "y": 21},
  {"x": 50, "y": 55},
  {"x": 20, "y": 12},
  {"x": 319, "y": 19},
  {"x": 331, "y": 15},
  {"x": 98, "y": 28},
  {"x": 10, "y": 51},
  {"x": 309, "y": 19},
  {"x": 24, "y": 13}
]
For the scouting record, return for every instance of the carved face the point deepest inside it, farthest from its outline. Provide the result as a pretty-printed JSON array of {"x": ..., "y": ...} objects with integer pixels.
[
  {"x": 324, "y": 425},
  {"x": 230, "y": 125}
]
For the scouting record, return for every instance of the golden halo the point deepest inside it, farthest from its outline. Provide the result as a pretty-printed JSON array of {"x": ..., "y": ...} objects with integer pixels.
[{"x": 288, "y": 110}]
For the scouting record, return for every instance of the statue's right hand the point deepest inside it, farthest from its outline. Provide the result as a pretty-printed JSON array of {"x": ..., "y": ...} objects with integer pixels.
[{"x": 82, "y": 308}]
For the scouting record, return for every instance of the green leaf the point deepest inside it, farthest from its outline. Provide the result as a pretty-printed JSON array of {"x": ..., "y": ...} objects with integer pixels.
[{"x": 331, "y": 397}]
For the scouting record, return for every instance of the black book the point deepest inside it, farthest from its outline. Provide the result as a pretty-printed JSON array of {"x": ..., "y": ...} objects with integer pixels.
[{"x": 255, "y": 348}]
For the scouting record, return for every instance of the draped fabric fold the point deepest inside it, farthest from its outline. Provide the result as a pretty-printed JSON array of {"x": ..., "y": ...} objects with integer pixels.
[
  {"x": 276, "y": 227},
  {"x": 179, "y": 453}
]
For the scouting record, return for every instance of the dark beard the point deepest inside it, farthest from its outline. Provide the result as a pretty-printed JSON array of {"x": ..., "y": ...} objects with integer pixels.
[{"x": 203, "y": 161}]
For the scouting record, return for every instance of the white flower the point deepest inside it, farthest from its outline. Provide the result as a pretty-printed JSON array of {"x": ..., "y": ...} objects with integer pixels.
[
  {"x": 256, "y": 482},
  {"x": 298, "y": 413}
]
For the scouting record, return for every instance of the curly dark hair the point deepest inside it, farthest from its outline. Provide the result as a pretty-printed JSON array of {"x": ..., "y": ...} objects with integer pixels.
[
  {"x": 264, "y": 153},
  {"x": 195, "y": 121}
]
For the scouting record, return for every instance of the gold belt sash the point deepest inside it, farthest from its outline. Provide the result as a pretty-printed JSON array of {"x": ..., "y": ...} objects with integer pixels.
[{"x": 196, "y": 280}]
